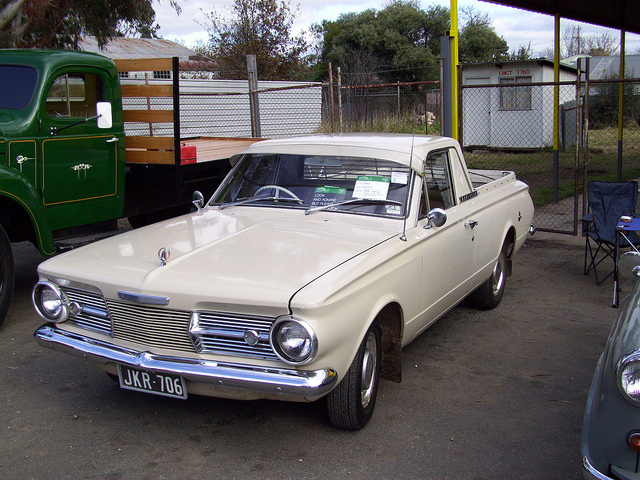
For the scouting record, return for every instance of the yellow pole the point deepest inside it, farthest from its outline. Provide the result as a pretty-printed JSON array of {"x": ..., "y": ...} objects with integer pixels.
[
  {"x": 556, "y": 109},
  {"x": 454, "y": 69}
]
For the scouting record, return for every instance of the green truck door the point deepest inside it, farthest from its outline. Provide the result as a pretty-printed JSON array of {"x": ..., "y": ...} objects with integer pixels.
[{"x": 79, "y": 160}]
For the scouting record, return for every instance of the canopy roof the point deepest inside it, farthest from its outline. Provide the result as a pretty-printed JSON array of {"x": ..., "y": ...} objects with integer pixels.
[{"x": 618, "y": 14}]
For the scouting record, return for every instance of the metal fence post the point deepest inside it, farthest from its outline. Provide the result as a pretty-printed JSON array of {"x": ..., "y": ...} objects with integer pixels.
[
  {"x": 340, "y": 98},
  {"x": 252, "y": 69},
  {"x": 333, "y": 127}
]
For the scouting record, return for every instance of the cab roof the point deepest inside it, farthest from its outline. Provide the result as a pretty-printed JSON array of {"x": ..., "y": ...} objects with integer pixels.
[{"x": 405, "y": 149}]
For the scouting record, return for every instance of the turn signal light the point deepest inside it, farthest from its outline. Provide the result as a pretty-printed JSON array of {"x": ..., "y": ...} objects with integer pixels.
[{"x": 634, "y": 441}]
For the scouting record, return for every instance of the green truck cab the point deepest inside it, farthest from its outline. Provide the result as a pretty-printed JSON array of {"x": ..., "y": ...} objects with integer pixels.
[{"x": 67, "y": 170}]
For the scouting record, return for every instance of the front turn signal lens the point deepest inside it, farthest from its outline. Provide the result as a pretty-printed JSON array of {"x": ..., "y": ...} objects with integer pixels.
[{"x": 634, "y": 441}]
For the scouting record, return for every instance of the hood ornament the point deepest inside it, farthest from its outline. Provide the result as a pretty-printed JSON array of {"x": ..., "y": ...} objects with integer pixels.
[{"x": 163, "y": 255}]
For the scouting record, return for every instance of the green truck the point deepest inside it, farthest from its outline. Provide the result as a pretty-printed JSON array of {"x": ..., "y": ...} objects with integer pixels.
[{"x": 68, "y": 172}]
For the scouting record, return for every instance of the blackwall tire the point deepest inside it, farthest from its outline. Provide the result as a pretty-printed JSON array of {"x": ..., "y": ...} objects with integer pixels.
[
  {"x": 351, "y": 403},
  {"x": 7, "y": 274},
  {"x": 489, "y": 294}
]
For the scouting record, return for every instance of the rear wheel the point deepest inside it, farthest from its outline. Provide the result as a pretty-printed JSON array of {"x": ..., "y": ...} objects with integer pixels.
[
  {"x": 489, "y": 294},
  {"x": 7, "y": 274},
  {"x": 351, "y": 403}
]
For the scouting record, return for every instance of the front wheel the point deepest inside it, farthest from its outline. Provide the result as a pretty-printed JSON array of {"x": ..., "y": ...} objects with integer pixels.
[
  {"x": 489, "y": 294},
  {"x": 7, "y": 274},
  {"x": 351, "y": 403}
]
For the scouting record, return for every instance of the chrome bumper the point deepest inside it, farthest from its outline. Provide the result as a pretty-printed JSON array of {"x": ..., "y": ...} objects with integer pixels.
[
  {"x": 257, "y": 379},
  {"x": 589, "y": 472}
]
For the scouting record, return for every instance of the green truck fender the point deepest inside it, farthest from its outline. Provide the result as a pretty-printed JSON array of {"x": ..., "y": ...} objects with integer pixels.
[{"x": 22, "y": 213}]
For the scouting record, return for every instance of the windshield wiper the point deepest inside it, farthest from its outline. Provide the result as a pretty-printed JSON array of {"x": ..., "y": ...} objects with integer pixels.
[
  {"x": 259, "y": 199},
  {"x": 368, "y": 201}
]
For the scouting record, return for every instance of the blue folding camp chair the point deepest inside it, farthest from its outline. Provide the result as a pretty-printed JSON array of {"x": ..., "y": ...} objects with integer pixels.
[{"x": 608, "y": 201}]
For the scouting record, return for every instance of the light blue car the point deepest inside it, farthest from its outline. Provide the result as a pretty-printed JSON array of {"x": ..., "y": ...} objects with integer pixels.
[{"x": 611, "y": 429}]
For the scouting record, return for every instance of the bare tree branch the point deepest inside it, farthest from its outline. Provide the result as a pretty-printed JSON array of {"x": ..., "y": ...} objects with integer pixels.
[{"x": 9, "y": 12}]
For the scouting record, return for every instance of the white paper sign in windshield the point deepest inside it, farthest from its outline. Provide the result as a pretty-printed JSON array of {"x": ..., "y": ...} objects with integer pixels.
[{"x": 371, "y": 187}]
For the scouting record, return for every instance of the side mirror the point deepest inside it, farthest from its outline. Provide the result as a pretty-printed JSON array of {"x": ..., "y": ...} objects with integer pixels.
[
  {"x": 436, "y": 217},
  {"x": 105, "y": 119},
  {"x": 629, "y": 265},
  {"x": 198, "y": 200}
]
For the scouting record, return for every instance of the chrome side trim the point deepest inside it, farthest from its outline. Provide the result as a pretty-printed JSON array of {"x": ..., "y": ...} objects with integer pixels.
[
  {"x": 590, "y": 473},
  {"x": 145, "y": 299},
  {"x": 309, "y": 384}
]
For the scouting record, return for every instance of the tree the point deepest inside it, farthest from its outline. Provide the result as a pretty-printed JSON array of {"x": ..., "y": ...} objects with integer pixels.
[
  {"x": 574, "y": 43},
  {"x": 478, "y": 39},
  {"x": 256, "y": 27},
  {"x": 61, "y": 23},
  {"x": 523, "y": 53},
  {"x": 400, "y": 42},
  {"x": 603, "y": 45}
]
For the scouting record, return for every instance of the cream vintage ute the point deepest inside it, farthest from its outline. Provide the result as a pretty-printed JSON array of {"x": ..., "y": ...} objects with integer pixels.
[{"x": 317, "y": 259}]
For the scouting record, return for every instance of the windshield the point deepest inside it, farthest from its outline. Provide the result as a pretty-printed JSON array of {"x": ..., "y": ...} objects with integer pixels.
[
  {"x": 17, "y": 84},
  {"x": 318, "y": 182}
]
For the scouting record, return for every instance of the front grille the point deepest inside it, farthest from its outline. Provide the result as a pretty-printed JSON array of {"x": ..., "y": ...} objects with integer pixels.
[
  {"x": 224, "y": 334},
  {"x": 154, "y": 327},
  {"x": 151, "y": 326},
  {"x": 95, "y": 317}
]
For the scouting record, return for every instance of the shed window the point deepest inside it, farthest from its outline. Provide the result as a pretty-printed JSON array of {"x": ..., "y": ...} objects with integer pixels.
[{"x": 517, "y": 98}]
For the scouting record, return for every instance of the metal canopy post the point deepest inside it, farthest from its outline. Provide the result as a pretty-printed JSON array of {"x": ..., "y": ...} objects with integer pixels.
[
  {"x": 556, "y": 108},
  {"x": 447, "y": 108},
  {"x": 621, "y": 105}
]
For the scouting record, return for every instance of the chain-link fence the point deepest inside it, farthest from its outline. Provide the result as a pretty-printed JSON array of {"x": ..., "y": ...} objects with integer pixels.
[
  {"x": 512, "y": 128},
  {"x": 502, "y": 127},
  {"x": 413, "y": 107},
  {"x": 222, "y": 108}
]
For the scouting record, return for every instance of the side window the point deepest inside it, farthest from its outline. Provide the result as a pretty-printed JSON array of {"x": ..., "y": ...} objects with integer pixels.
[
  {"x": 437, "y": 180},
  {"x": 75, "y": 95}
]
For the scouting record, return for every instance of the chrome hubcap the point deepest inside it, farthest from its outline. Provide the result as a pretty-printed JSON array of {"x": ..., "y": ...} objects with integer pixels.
[
  {"x": 498, "y": 277},
  {"x": 369, "y": 369}
]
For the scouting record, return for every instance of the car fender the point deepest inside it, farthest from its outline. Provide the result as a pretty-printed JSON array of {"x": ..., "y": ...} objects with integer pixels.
[
  {"x": 21, "y": 198},
  {"x": 351, "y": 304}
]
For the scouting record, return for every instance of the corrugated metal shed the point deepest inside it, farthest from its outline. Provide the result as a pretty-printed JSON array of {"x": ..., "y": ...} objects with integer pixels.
[{"x": 134, "y": 48}]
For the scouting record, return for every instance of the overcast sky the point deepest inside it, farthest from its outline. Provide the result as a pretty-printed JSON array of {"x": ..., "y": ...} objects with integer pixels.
[{"x": 518, "y": 27}]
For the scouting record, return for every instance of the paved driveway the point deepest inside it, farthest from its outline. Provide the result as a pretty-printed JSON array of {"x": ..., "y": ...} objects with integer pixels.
[{"x": 485, "y": 395}]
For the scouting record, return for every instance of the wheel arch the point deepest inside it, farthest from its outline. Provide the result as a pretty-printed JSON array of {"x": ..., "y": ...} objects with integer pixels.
[
  {"x": 23, "y": 216},
  {"x": 510, "y": 241},
  {"x": 390, "y": 320},
  {"x": 509, "y": 244}
]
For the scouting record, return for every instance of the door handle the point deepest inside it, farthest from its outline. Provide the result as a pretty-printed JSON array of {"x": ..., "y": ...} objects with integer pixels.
[
  {"x": 112, "y": 140},
  {"x": 472, "y": 224}
]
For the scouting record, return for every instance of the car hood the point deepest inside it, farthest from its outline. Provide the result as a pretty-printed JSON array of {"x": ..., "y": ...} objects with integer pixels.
[{"x": 239, "y": 256}]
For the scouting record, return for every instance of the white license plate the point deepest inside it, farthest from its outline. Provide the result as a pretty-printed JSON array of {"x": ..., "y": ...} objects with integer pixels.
[{"x": 166, "y": 384}]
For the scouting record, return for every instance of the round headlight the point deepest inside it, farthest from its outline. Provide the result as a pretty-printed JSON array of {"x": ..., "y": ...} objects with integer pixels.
[
  {"x": 50, "y": 302},
  {"x": 629, "y": 379},
  {"x": 293, "y": 341}
]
